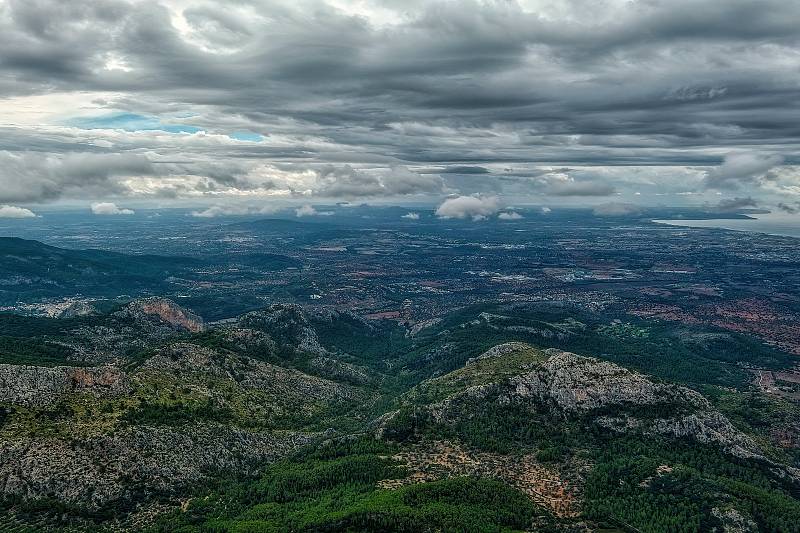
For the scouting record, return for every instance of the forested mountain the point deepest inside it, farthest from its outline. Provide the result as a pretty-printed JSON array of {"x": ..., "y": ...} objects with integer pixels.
[{"x": 33, "y": 270}]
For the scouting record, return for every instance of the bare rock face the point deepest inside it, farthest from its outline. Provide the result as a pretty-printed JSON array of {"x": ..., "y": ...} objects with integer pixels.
[
  {"x": 294, "y": 326},
  {"x": 249, "y": 339},
  {"x": 182, "y": 357},
  {"x": 36, "y": 386},
  {"x": 163, "y": 311},
  {"x": 130, "y": 462},
  {"x": 706, "y": 427}
]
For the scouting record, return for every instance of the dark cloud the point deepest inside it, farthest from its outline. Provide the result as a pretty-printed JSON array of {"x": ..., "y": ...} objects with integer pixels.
[
  {"x": 379, "y": 98},
  {"x": 791, "y": 209},
  {"x": 736, "y": 204},
  {"x": 348, "y": 182},
  {"x": 580, "y": 188},
  {"x": 28, "y": 176}
]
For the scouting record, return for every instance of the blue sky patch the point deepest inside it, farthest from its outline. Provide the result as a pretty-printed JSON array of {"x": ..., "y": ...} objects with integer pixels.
[
  {"x": 246, "y": 136},
  {"x": 130, "y": 122}
]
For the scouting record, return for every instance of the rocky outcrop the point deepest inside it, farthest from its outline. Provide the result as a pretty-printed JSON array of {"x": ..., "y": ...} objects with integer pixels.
[
  {"x": 133, "y": 463},
  {"x": 249, "y": 340},
  {"x": 733, "y": 521},
  {"x": 571, "y": 386},
  {"x": 164, "y": 312},
  {"x": 36, "y": 386},
  {"x": 136, "y": 327},
  {"x": 578, "y": 384},
  {"x": 499, "y": 351},
  {"x": 78, "y": 309},
  {"x": 707, "y": 427},
  {"x": 110, "y": 459},
  {"x": 184, "y": 358}
]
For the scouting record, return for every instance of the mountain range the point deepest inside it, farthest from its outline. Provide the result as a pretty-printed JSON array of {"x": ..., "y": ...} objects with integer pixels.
[{"x": 145, "y": 417}]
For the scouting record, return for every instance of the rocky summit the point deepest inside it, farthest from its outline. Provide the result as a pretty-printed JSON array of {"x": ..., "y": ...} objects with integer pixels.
[{"x": 571, "y": 386}]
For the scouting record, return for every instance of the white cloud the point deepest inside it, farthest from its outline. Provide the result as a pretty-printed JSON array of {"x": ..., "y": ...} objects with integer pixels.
[
  {"x": 309, "y": 211},
  {"x": 110, "y": 208},
  {"x": 411, "y": 216},
  {"x": 305, "y": 211},
  {"x": 475, "y": 207},
  {"x": 11, "y": 211},
  {"x": 511, "y": 215},
  {"x": 219, "y": 210},
  {"x": 741, "y": 168}
]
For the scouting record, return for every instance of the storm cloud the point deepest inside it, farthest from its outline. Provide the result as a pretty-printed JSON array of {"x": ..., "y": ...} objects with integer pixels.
[{"x": 115, "y": 99}]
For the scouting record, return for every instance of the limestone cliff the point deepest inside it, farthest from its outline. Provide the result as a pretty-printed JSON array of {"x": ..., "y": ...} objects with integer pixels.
[{"x": 163, "y": 311}]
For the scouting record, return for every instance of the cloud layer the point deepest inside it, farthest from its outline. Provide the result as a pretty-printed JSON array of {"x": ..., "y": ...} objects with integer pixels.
[{"x": 572, "y": 101}]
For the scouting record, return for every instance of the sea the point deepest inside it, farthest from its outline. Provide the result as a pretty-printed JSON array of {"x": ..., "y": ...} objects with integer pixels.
[{"x": 771, "y": 224}]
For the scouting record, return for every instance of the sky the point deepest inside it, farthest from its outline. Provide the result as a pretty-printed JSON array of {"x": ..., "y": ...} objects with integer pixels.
[{"x": 246, "y": 105}]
